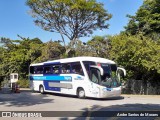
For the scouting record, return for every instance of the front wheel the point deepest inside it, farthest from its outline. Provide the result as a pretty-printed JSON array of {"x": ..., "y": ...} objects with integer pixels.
[
  {"x": 81, "y": 93},
  {"x": 41, "y": 89}
]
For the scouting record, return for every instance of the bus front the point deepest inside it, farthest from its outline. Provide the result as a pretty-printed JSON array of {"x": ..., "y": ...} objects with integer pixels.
[{"x": 107, "y": 79}]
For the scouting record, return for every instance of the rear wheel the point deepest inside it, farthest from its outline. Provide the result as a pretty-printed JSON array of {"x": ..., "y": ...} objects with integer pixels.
[
  {"x": 81, "y": 93},
  {"x": 41, "y": 89}
]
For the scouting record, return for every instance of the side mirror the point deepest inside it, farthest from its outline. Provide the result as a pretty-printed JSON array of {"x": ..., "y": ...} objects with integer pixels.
[
  {"x": 121, "y": 72},
  {"x": 99, "y": 68}
]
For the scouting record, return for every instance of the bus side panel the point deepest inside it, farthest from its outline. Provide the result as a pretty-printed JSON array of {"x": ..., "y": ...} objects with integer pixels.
[
  {"x": 36, "y": 84},
  {"x": 48, "y": 85},
  {"x": 69, "y": 89},
  {"x": 78, "y": 81}
]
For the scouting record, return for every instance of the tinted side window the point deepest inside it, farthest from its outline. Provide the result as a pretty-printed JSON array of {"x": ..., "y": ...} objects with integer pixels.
[
  {"x": 87, "y": 65},
  {"x": 36, "y": 70},
  {"x": 39, "y": 70},
  {"x": 66, "y": 68},
  {"x": 47, "y": 70},
  {"x": 56, "y": 69},
  {"x": 77, "y": 68},
  {"x": 32, "y": 71}
]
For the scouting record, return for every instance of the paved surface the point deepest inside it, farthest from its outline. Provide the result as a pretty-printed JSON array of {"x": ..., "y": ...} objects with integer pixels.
[{"x": 31, "y": 101}]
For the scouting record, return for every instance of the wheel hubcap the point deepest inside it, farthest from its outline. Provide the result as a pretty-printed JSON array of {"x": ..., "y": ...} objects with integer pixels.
[
  {"x": 41, "y": 89},
  {"x": 81, "y": 93}
]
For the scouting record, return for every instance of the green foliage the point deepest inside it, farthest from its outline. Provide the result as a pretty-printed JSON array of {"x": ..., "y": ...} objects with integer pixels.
[
  {"x": 17, "y": 55},
  {"x": 82, "y": 49},
  {"x": 51, "y": 51},
  {"x": 70, "y": 18},
  {"x": 137, "y": 48},
  {"x": 138, "y": 54},
  {"x": 99, "y": 46},
  {"x": 146, "y": 20},
  {"x": 23, "y": 83},
  {"x": 143, "y": 54}
]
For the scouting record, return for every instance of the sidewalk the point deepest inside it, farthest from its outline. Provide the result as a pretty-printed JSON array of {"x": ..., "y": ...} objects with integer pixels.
[
  {"x": 25, "y": 90},
  {"x": 7, "y": 90}
]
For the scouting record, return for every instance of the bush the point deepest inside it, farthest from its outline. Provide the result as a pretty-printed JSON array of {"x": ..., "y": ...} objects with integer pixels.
[{"x": 23, "y": 83}]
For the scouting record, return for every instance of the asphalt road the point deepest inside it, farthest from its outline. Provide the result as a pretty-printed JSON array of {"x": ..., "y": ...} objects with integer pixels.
[{"x": 27, "y": 100}]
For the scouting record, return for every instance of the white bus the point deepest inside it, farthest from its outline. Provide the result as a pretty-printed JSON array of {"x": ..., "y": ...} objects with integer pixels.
[{"x": 82, "y": 76}]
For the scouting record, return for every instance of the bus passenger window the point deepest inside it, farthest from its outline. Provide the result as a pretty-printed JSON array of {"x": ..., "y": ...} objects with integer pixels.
[
  {"x": 39, "y": 70},
  {"x": 32, "y": 70},
  {"x": 77, "y": 68},
  {"x": 87, "y": 65},
  {"x": 66, "y": 68},
  {"x": 47, "y": 70},
  {"x": 56, "y": 69}
]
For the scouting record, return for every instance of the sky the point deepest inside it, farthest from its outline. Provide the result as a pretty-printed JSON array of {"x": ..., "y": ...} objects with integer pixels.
[{"x": 15, "y": 19}]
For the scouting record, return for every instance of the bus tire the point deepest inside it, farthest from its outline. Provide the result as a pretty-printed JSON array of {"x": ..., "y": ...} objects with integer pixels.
[
  {"x": 81, "y": 93},
  {"x": 41, "y": 89}
]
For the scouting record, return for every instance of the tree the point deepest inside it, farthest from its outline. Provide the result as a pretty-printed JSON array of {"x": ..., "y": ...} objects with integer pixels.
[
  {"x": 17, "y": 55},
  {"x": 51, "y": 51},
  {"x": 139, "y": 55},
  {"x": 2, "y": 51},
  {"x": 70, "y": 18},
  {"x": 99, "y": 46},
  {"x": 146, "y": 20},
  {"x": 82, "y": 49}
]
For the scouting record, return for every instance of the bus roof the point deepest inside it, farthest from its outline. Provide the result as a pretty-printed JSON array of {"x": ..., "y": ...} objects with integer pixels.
[{"x": 75, "y": 59}]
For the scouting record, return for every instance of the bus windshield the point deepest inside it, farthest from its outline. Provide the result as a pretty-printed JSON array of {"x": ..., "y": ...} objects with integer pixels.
[{"x": 108, "y": 79}]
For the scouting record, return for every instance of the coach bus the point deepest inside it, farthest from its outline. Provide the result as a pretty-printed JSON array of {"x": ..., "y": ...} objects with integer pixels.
[{"x": 82, "y": 76}]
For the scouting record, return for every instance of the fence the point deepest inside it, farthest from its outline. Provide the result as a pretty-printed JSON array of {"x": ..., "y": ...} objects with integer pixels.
[{"x": 141, "y": 87}]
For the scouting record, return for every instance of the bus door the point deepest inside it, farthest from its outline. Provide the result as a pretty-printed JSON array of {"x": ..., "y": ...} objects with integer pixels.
[{"x": 95, "y": 77}]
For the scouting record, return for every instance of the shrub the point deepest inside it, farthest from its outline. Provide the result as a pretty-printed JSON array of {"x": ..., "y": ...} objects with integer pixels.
[{"x": 23, "y": 83}]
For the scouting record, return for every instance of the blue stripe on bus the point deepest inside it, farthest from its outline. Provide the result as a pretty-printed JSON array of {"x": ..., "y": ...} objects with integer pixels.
[
  {"x": 53, "y": 78},
  {"x": 46, "y": 85}
]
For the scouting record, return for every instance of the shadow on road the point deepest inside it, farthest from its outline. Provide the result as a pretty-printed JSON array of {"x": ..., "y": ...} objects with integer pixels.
[
  {"x": 62, "y": 95},
  {"x": 97, "y": 112},
  {"x": 88, "y": 98},
  {"x": 24, "y": 98},
  {"x": 107, "y": 99}
]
